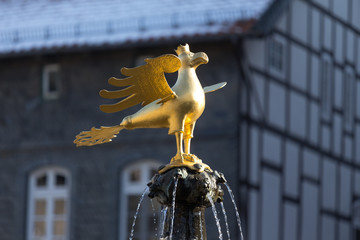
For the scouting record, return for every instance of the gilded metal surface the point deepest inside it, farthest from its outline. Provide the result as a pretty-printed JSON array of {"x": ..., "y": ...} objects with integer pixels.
[
  {"x": 97, "y": 136},
  {"x": 144, "y": 84},
  {"x": 214, "y": 87},
  {"x": 189, "y": 160},
  {"x": 176, "y": 108}
]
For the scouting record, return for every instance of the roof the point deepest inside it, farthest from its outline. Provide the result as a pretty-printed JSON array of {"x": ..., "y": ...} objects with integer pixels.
[{"x": 37, "y": 25}]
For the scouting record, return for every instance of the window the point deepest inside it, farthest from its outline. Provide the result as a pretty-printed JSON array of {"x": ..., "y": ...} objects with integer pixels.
[
  {"x": 326, "y": 83},
  {"x": 276, "y": 56},
  {"x": 51, "y": 82},
  {"x": 133, "y": 182},
  {"x": 356, "y": 219},
  {"x": 48, "y": 204},
  {"x": 349, "y": 98}
]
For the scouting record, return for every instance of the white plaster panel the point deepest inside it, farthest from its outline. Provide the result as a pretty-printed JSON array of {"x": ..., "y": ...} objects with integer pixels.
[
  {"x": 357, "y": 60},
  {"x": 345, "y": 190},
  {"x": 355, "y": 14},
  {"x": 327, "y": 38},
  {"x": 338, "y": 88},
  {"x": 282, "y": 22},
  {"x": 253, "y": 215},
  {"x": 277, "y": 104},
  {"x": 270, "y": 205},
  {"x": 314, "y": 122},
  {"x": 298, "y": 67},
  {"x": 291, "y": 169},
  {"x": 329, "y": 184},
  {"x": 358, "y": 95},
  {"x": 325, "y": 138},
  {"x": 272, "y": 148},
  {"x": 297, "y": 114},
  {"x": 348, "y": 148},
  {"x": 254, "y": 156},
  {"x": 315, "y": 75},
  {"x": 350, "y": 45},
  {"x": 311, "y": 163},
  {"x": 327, "y": 228},
  {"x": 243, "y": 97},
  {"x": 344, "y": 230},
  {"x": 323, "y": 3},
  {"x": 357, "y": 182},
  {"x": 357, "y": 143},
  {"x": 244, "y": 149},
  {"x": 339, "y": 46},
  {"x": 310, "y": 212},
  {"x": 315, "y": 29},
  {"x": 337, "y": 134},
  {"x": 290, "y": 221},
  {"x": 299, "y": 11},
  {"x": 255, "y": 51},
  {"x": 340, "y": 8},
  {"x": 258, "y": 97}
]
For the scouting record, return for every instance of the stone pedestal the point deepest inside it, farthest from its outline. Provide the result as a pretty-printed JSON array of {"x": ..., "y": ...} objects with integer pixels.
[{"x": 192, "y": 197}]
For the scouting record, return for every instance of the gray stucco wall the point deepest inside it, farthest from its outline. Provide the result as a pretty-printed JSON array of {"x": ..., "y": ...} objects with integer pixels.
[{"x": 36, "y": 133}]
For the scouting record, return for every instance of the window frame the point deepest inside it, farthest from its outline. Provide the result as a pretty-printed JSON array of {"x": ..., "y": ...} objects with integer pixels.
[
  {"x": 49, "y": 193},
  {"x": 348, "y": 101},
  {"x": 356, "y": 219},
  {"x": 131, "y": 188},
  {"x": 47, "y": 70},
  {"x": 326, "y": 86},
  {"x": 272, "y": 54}
]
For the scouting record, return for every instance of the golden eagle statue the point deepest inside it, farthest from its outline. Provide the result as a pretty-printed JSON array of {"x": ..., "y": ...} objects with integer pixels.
[{"x": 176, "y": 108}]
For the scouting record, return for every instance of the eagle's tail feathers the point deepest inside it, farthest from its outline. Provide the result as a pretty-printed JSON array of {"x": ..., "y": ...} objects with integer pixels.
[{"x": 97, "y": 136}]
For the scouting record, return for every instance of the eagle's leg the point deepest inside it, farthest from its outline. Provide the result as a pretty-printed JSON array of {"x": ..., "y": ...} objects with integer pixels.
[
  {"x": 188, "y": 135},
  {"x": 179, "y": 145},
  {"x": 187, "y": 145}
]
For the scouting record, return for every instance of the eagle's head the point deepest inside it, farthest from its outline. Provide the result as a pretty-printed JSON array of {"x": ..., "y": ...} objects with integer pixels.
[{"x": 189, "y": 59}]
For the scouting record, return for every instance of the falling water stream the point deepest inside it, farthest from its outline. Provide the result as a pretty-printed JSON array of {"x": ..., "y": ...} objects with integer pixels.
[
  {"x": 216, "y": 216},
  {"x": 162, "y": 221},
  {"x": 136, "y": 214},
  {"x": 164, "y": 211},
  {"x": 154, "y": 216},
  {"x": 226, "y": 221},
  {"x": 173, "y": 208},
  {"x": 236, "y": 210},
  {"x": 201, "y": 230}
]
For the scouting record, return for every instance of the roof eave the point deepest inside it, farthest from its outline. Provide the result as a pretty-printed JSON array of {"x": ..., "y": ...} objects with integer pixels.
[
  {"x": 115, "y": 46},
  {"x": 267, "y": 21}
]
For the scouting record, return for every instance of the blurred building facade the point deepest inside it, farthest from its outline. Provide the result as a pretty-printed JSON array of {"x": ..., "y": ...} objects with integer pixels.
[
  {"x": 285, "y": 131},
  {"x": 302, "y": 128}
]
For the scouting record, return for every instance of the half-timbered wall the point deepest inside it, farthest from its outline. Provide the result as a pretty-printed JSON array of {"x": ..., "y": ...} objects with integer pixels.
[{"x": 301, "y": 124}]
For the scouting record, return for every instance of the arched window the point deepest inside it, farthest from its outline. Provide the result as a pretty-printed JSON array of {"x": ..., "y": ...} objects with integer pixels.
[
  {"x": 133, "y": 182},
  {"x": 48, "y": 204}
]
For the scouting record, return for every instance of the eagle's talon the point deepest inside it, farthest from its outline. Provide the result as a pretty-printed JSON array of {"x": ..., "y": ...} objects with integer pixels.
[{"x": 179, "y": 157}]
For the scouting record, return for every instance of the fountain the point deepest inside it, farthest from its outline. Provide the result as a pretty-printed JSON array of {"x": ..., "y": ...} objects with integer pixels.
[
  {"x": 186, "y": 186},
  {"x": 195, "y": 191}
]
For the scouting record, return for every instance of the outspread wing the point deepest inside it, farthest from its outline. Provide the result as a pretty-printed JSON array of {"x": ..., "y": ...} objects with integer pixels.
[
  {"x": 144, "y": 84},
  {"x": 214, "y": 87}
]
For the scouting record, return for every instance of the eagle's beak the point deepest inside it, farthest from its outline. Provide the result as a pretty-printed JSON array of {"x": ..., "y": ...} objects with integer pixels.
[{"x": 198, "y": 59}]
